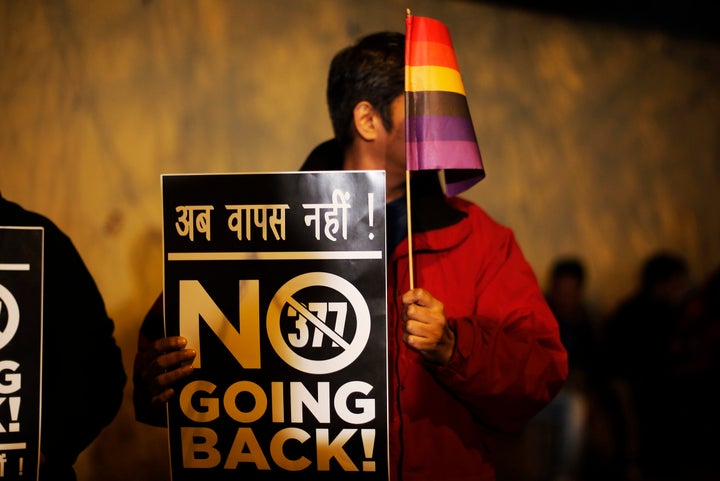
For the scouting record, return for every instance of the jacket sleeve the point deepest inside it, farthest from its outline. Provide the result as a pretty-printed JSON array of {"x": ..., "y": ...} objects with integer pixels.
[
  {"x": 508, "y": 361},
  {"x": 83, "y": 373},
  {"x": 150, "y": 330}
]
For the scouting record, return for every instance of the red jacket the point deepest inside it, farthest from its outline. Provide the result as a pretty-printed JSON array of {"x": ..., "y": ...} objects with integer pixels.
[{"x": 508, "y": 361}]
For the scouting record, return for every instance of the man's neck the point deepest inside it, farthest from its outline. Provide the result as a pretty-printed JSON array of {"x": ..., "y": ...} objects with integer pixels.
[{"x": 359, "y": 159}]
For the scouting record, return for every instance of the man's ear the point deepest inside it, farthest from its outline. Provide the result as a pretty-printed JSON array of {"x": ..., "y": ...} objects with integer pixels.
[{"x": 366, "y": 120}]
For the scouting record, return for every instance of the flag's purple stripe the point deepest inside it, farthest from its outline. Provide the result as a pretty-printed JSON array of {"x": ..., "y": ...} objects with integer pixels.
[
  {"x": 457, "y": 154},
  {"x": 453, "y": 189},
  {"x": 458, "y": 181},
  {"x": 433, "y": 129},
  {"x": 432, "y": 102}
]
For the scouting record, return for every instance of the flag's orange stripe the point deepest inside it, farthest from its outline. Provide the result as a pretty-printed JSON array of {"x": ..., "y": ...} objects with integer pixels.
[
  {"x": 433, "y": 78},
  {"x": 432, "y": 53}
]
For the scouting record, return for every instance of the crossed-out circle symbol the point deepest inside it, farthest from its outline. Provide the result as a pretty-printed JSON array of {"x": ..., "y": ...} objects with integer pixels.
[
  {"x": 350, "y": 350},
  {"x": 13, "y": 316}
]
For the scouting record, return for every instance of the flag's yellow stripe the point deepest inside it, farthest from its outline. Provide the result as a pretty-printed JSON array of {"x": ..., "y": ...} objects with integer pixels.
[{"x": 433, "y": 78}]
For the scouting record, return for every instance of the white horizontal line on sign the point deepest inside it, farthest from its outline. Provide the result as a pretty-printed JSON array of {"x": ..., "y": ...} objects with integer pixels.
[
  {"x": 11, "y": 446},
  {"x": 14, "y": 267},
  {"x": 272, "y": 256}
]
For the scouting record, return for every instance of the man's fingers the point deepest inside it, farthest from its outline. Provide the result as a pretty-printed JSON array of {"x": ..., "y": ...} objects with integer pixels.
[
  {"x": 160, "y": 384},
  {"x": 424, "y": 315},
  {"x": 417, "y": 313},
  {"x": 425, "y": 327},
  {"x": 167, "y": 344},
  {"x": 168, "y": 378},
  {"x": 421, "y": 297},
  {"x": 166, "y": 362},
  {"x": 416, "y": 296},
  {"x": 162, "y": 398},
  {"x": 170, "y": 360},
  {"x": 415, "y": 342},
  {"x": 161, "y": 347},
  {"x": 422, "y": 329},
  {"x": 420, "y": 341},
  {"x": 413, "y": 334}
]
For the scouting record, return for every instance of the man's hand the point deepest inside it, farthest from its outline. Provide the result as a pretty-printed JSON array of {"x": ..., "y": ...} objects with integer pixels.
[
  {"x": 425, "y": 327},
  {"x": 163, "y": 363}
]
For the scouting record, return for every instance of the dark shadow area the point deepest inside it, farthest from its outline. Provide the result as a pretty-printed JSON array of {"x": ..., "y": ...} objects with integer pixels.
[{"x": 689, "y": 19}]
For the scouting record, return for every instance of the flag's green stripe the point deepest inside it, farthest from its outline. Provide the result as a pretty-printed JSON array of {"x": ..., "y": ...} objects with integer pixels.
[{"x": 432, "y": 102}]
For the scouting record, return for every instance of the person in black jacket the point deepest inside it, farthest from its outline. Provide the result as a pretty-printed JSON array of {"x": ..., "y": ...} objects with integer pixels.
[{"x": 82, "y": 372}]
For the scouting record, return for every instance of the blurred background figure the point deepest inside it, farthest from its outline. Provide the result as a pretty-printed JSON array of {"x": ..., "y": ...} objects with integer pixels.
[
  {"x": 693, "y": 416},
  {"x": 560, "y": 430},
  {"x": 565, "y": 295},
  {"x": 640, "y": 343}
]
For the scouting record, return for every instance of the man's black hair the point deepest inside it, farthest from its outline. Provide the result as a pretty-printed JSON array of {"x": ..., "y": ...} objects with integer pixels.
[
  {"x": 372, "y": 69},
  {"x": 662, "y": 267}
]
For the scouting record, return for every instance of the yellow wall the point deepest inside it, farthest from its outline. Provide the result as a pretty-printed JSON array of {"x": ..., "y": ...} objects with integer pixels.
[{"x": 597, "y": 141}]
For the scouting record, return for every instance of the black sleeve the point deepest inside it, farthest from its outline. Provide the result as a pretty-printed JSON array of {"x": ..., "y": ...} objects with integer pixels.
[{"x": 83, "y": 374}]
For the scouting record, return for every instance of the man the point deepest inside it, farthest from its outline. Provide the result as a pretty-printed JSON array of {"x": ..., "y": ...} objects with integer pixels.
[
  {"x": 563, "y": 425},
  {"x": 640, "y": 338},
  {"x": 82, "y": 372},
  {"x": 474, "y": 350}
]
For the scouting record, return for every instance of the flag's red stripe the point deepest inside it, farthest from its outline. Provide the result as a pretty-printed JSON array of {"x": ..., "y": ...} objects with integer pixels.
[
  {"x": 429, "y": 43},
  {"x": 431, "y": 53},
  {"x": 426, "y": 29}
]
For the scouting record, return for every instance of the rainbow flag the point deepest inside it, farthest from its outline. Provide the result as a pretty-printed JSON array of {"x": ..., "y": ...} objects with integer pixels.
[{"x": 439, "y": 132}]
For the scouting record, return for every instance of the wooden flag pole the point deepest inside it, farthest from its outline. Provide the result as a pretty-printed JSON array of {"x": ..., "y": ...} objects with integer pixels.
[
  {"x": 409, "y": 228},
  {"x": 407, "y": 183}
]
